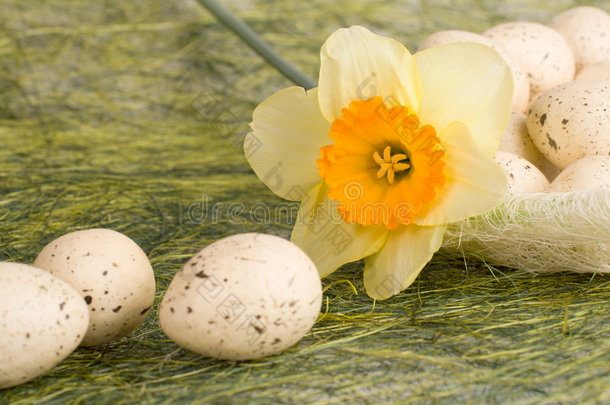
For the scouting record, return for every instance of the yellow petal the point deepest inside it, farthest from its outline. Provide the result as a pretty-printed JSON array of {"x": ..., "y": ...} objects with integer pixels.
[
  {"x": 466, "y": 82},
  {"x": 357, "y": 65},
  {"x": 327, "y": 239},
  {"x": 288, "y": 131},
  {"x": 475, "y": 183},
  {"x": 405, "y": 253}
]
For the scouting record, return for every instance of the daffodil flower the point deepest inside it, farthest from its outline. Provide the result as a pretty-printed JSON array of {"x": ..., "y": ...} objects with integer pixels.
[{"x": 385, "y": 152}]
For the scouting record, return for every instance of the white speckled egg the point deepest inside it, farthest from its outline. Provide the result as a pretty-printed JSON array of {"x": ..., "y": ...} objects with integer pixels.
[
  {"x": 570, "y": 121},
  {"x": 587, "y": 173},
  {"x": 42, "y": 321},
  {"x": 515, "y": 139},
  {"x": 242, "y": 297},
  {"x": 112, "y": 274},
  {"x": 521, "y": 84},
  {"x": 587, "y": 31},
  {"x": 542, "y": 52},
  {"x": 523, "y": 176},
  {"x": 595, "y": 73}
]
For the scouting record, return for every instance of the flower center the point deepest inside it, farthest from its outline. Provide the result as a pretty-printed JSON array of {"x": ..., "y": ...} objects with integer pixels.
[
  {"x": 402, "y": 177},
  {"x": 390, "y": 164}
]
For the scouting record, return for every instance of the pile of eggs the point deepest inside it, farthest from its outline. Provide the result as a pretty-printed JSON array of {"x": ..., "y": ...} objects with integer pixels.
[
  {"x": 558, "y": 135},
  {"x": 236, "y": 299}
]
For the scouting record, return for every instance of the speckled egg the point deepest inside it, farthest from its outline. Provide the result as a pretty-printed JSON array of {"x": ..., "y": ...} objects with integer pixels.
[
  {"x": 595, "y": 73},
  {"x": 570, "y": 121},
  {"x": 515, "y": 139},
  {"x": 587, "y": 31},
  {"x": 112, "y": 274},
  {"x": 587, "y": 173},
  {"x": 242, "y": 297},
  {"x": 542, "y": 52},
  {"x": 42, "y": 321},
  {"x": 523, "y": 176},
  {"x": 521, "y": 84}
]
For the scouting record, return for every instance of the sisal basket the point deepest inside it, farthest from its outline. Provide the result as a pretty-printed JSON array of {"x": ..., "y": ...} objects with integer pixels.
[{"x": 543, "y": 233}]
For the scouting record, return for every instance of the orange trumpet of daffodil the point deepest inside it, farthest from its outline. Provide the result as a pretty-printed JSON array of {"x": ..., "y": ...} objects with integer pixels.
[{"x": 385, "y": 152}]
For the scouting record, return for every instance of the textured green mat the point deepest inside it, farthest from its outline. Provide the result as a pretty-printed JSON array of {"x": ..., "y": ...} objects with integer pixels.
[{"x": 129, "y": 115}]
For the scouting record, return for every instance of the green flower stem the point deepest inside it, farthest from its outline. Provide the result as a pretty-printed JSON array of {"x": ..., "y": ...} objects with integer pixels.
[{"x": 258, "y": 44}]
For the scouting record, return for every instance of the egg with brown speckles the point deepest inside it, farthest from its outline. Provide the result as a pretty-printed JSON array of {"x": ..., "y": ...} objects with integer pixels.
[
  {"x": 541, "y": 51},
  {"x": 42, "y": 320},
  {"x": 571, "y": 121},
  {"x": 242, "y": 297},
  {"x": 588, "y": 173},
  {"x": 111, "y": 272},
  {"x": 587, "y": 31},
  {"x": 523, "y": 176}
]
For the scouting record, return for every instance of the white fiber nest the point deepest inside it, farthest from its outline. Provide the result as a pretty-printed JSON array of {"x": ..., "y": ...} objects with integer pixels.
[{"x": 548, "y": 232}]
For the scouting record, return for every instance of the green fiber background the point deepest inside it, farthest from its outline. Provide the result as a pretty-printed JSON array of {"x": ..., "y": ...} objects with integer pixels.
[{"x": 130, "y": 115}]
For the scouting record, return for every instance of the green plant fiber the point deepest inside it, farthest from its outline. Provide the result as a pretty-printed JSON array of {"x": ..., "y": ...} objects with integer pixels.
[{"x": 130, "y": 115}]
